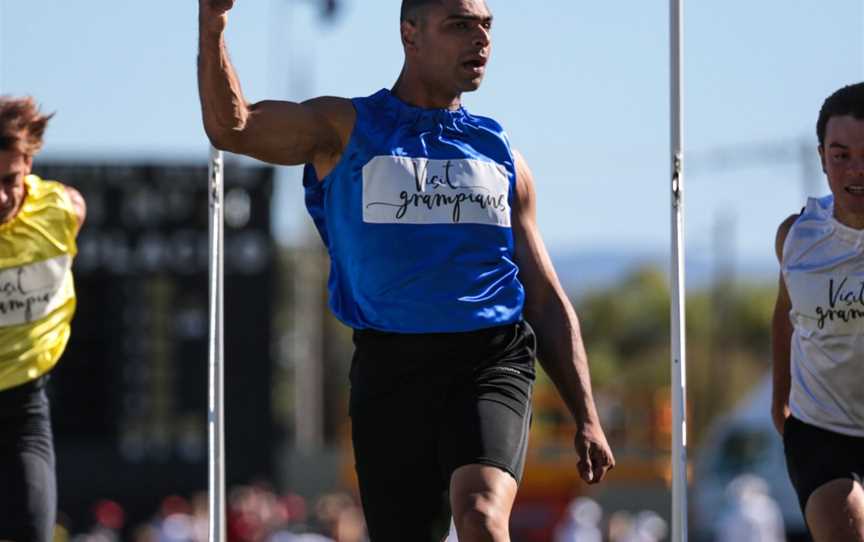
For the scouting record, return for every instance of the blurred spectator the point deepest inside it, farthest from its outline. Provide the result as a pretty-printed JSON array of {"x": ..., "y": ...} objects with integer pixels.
[
  {"x": 751, "y": 515},
  {"x": 620, "y": 525},
  {"x": 200, "y": 517},
  {"x": 109, "y": 515},
  {"x": 285, "y": 536},
  {"x": 145, "y": 533},
  {"x": 108, "y": 520},
  {"x": 649, "y": 527},
  {"x": 174, "y": 523},
  {"x": 340, "y": 517},
  {"x": 581, "y": 522},
  {"x": 177, "y": 527},
  {"x": 295, "y": 509},
  {"x": 645, "y": 526},
  {"x": 254, "y": 513}
]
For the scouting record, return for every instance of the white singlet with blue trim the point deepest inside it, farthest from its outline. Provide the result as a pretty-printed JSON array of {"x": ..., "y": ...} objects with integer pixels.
[{"x": 823, "y": 268}]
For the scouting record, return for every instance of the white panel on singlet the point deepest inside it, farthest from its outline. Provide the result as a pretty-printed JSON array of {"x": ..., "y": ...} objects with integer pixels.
[
  {"x": 31, "y": 291},
  {"x": 401, "y": 190}
]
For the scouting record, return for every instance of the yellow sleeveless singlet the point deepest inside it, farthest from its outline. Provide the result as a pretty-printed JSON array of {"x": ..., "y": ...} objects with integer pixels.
[{"x": 37, "y": 295}]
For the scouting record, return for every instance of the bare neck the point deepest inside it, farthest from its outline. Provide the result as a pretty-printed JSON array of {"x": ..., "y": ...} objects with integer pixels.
[
  {"x": 853, "y": 220},
  {"x": 413, "y": 90}
]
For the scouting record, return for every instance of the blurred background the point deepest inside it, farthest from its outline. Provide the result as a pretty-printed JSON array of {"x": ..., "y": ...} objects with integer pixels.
[{"x": 582, "y": 88}]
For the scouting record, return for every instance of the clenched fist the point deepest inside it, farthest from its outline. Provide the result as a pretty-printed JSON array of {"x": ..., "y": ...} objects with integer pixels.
[
  {"x": 595, "y": 456},
  {"x": 213, "y": 14},
  {"x": 216, "y": 6}
]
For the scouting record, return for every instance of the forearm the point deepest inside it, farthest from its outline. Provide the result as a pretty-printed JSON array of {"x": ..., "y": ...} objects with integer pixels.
[
  {"x": 223, "y": 106},
  {"x": 562, "y": 354}
]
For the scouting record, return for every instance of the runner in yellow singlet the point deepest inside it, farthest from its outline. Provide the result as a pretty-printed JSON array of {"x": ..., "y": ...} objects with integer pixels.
[{"x": 39, "y": 221}]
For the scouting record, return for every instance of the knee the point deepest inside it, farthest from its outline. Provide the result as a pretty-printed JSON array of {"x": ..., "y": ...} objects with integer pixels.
[
  {"x": 835, "y": 511},
  {"x": 479, "y": 519}
]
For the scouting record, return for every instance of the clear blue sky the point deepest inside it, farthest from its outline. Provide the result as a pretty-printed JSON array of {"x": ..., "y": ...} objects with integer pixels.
[{"x": 582, "y": 87}]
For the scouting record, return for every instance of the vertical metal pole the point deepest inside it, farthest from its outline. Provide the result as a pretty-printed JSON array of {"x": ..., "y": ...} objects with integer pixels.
[
  {"x": 215, "y": 404},
  {"x": 678, "y": 362}
]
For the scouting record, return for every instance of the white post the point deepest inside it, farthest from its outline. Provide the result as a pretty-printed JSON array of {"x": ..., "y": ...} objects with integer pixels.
[
  {"x": 679, "y": 373},
  {"x": 216, "y": 401}
]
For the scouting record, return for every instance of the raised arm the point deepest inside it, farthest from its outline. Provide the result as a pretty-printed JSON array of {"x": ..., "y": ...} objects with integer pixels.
[
  {"x": 278, "y": 132},
  {"x": 781, "y": 338},
  {"x": 561, "y": 351}
]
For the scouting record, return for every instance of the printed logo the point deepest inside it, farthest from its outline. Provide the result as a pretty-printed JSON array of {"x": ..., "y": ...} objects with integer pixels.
[
  {"x": 29, "y": 292},
  {"x": 400, "y": 190},
  {"x": 845, "y": 303}
]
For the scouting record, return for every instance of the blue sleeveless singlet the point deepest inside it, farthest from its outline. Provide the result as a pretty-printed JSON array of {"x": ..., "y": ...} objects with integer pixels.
[{"x": 416, "y": 218}]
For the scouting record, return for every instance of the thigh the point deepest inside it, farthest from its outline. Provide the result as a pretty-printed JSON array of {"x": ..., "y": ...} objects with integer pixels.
[
  {"x": 487, "y": 410},
  {"x": 835, "y": 511},
  {"x": 815, "y": 457},
  {"x": 394, "y": 431},
  {"x": 28, "y": 501}
]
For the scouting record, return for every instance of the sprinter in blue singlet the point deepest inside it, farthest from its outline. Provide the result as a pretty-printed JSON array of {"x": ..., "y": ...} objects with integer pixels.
[{"x": 437, "y": 265}]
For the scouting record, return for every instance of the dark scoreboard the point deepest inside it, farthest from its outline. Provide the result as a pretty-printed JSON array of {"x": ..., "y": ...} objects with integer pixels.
[{"x": 129, "y": 396}]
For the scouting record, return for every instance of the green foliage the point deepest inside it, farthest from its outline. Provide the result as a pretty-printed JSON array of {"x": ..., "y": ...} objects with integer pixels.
[
  {"x": 626, "y": 329},
  {"x": 629, "y": 318}
]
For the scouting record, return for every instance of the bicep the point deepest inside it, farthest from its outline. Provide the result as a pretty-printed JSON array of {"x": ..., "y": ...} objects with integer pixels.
[
  {"x": 781, "y": 324},
  {"x": 288, "y": 133},
  {"x": 535, "y": 265},
  {"x": 782, "y": 232},
  {"x": 783, "y": 303}
]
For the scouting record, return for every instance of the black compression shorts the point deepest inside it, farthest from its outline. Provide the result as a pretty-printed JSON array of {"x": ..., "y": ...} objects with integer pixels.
[
  {"x": 815, "y": 456},
  {"x": 422, "y": 405}
]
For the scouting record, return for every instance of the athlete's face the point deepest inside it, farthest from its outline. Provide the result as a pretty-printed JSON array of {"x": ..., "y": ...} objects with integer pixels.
[
  {"x": 843, "y": 162},
  {"x": 451, "y": 44},
  {"x": 14, "y": 166}
]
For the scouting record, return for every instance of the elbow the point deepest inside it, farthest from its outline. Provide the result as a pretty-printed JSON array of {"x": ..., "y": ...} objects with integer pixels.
[
  {"x": 226, "y": 132},
  {"x": 221, "y": 142},
  {"x": 225, "y": 139},
  {"x": 542, "y": 301}
]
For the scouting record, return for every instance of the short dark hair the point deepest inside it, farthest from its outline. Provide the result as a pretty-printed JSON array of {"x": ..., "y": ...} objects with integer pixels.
[
  {"x": 411, "y": 7},
  {"x": 22, "y": 125},
  {"x": 849, "y": 100}
]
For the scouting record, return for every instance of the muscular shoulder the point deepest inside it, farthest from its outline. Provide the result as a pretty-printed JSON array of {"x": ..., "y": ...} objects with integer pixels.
[
  {"x": 79, "y": 206},
  {"x": 334, "y": 108},
  {"x": 338, "y": 112},
  {"x": 519, "y": 163},
  {"x": 782, "y": 232}
]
